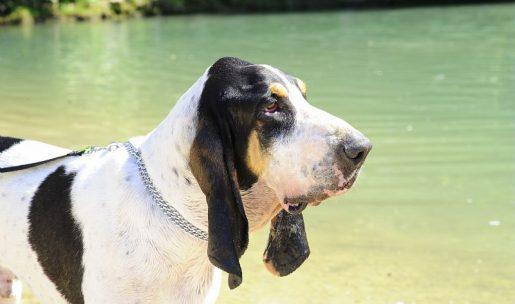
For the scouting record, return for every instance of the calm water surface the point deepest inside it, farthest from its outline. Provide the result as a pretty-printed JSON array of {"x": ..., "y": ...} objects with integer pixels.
[{"x": 432, "y": 217}]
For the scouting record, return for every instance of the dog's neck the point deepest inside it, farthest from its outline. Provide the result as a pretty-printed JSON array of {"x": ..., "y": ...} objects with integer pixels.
[{"x": 166, "y": 154}]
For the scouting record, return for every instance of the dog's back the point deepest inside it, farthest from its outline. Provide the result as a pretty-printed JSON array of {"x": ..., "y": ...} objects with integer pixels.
[
  {"x": 17, "y": 189},
  {"x": 15, "y": 151}
]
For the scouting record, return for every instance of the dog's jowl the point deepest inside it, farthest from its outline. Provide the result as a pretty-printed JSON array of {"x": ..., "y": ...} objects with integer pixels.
[{"x": 157, "y": 219}]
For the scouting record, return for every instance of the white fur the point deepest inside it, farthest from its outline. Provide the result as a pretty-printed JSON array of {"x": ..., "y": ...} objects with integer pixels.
[
  {"x": 309, "y": 148},
  {"x": 132, "y": 253}
]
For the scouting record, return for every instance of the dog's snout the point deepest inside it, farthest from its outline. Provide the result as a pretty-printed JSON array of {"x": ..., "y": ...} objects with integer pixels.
[{"x": 356, "y": 148}]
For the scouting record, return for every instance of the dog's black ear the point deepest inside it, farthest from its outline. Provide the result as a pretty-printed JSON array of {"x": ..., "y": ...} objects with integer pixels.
[
  {"x": 287, "y": 246},
  {"x": 213, "y": 165}
]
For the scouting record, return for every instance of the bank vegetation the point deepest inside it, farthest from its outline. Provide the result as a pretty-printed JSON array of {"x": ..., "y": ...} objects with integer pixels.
[{"x": 30, "y": 11}]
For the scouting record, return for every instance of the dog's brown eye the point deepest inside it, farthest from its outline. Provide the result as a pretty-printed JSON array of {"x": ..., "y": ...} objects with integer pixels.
[{"x": 271, "y": 107}]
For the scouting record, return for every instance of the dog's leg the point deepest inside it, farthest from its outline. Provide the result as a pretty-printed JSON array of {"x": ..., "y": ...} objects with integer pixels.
[{"x": 10, "y": 287}]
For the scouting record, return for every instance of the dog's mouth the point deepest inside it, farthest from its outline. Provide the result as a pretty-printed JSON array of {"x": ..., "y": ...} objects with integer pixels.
[{"x": 296, "y": 205}]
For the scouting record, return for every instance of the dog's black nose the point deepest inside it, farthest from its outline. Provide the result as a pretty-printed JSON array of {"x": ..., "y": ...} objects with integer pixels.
[{"x": 356, "y": 148}]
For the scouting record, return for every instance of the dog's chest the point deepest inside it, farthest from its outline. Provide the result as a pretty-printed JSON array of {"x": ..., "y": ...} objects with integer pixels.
[
  {"x": 142, "y": 269},
  {"x": 130, "y": 245}
]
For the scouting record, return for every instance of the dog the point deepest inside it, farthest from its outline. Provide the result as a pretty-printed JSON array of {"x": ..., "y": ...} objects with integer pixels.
[{"x": 240, "y": 149}]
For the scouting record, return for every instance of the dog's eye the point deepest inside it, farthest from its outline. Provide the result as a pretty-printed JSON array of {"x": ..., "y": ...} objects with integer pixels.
[{"x": 271, "y": 107}]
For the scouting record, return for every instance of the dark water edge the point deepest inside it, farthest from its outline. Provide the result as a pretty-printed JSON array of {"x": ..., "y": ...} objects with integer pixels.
[
  {"x": 17, "y": 12},
  {"x": 329, "y": 5}
]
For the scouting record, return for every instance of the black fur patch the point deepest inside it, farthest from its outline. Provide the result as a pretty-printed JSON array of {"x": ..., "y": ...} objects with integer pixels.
[
  {"x": 234, "y": 95},
  {"x": 7, "y": 142},
  {"x": 56, "y": 237}
]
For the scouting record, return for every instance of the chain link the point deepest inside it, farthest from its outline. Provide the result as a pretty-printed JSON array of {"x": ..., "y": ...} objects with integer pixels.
[{"x": 167, "y": 209}]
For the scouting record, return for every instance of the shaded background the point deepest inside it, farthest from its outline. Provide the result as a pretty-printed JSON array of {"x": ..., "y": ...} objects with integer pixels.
[{"x": 432, "y": 217}]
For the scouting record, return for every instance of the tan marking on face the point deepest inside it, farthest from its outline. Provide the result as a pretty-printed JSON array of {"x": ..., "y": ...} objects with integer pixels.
[
  {"x": 279, "y": 90},
  {"x": 302, "y": 86},
  {"x": 257, "y": 159}
]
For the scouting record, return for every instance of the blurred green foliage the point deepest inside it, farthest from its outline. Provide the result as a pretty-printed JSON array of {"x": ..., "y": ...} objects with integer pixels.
[
  {"x": 14, "y": 11},
  {"x": 26, "y": 11}
]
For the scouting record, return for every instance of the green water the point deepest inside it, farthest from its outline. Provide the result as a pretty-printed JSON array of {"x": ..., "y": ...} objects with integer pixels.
[{"x": 432, "y": 217}]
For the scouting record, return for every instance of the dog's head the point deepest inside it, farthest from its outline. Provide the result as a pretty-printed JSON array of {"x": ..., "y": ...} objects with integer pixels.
[{"x": 258, "y": 137}]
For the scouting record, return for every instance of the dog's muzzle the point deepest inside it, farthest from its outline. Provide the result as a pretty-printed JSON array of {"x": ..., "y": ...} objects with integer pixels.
[{"x": 348, "y": 157}]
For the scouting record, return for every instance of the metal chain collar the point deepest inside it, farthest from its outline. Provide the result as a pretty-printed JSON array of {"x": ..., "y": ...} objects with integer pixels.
[{"x": 167, "y": 209}]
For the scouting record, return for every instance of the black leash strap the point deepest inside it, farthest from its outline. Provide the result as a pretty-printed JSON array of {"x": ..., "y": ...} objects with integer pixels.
[{"x": 31, "y": 165}]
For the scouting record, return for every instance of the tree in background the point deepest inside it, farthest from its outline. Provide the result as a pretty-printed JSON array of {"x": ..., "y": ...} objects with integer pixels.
[{"x": 16, "y": 10}]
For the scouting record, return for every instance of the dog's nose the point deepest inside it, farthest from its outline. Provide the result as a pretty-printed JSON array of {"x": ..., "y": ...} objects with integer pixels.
[{"x": 356, "y": 148}]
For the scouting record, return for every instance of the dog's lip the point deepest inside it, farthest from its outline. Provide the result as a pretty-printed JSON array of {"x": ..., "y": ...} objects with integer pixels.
[
  {"x": 348, "y": 184},
  {"x": 340, "y": 189},
  {"x": 294, "y": 206}
]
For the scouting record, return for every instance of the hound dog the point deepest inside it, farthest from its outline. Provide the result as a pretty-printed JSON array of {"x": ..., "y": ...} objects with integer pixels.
[{"x": 241, "y": 148}]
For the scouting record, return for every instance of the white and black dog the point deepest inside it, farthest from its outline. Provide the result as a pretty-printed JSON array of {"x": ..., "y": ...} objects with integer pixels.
[{"x": 241, "y": 148}]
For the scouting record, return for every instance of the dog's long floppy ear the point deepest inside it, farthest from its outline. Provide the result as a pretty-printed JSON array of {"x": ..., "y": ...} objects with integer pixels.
[
  {"x": 287, "y": 246},
  {"x": 213, "y": 165}
]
